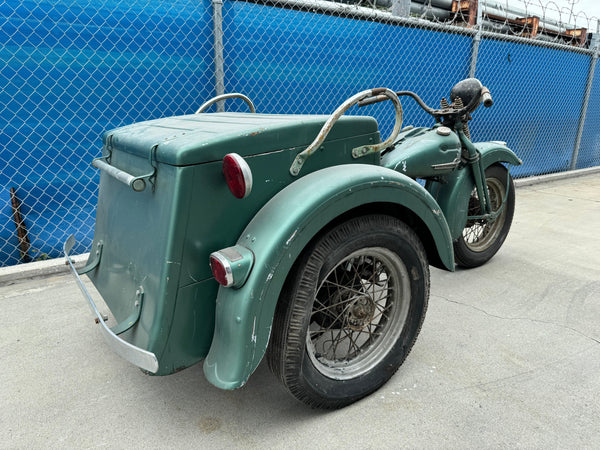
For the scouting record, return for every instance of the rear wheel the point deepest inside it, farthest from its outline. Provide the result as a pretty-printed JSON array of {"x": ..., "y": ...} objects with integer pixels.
[
  {"x": 350, "y": 311},
  {"x": 481, "y": 239}
]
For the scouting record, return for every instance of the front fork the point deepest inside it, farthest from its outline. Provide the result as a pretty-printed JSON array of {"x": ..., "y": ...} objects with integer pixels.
[{"x": 474, "y": 161}]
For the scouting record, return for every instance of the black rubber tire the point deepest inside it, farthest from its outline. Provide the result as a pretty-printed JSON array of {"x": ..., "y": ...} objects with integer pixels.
[
  {"x": 480, "y": 241},
  {"x": 379, "y": 245}
]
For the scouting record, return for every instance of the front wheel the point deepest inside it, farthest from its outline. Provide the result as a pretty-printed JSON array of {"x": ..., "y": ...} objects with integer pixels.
[
  {"x": 481, "y": 239},
  {"x": 350, "y": 311}
]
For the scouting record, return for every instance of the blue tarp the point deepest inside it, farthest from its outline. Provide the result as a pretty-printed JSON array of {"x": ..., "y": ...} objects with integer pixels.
[
  {"x": 69, "y": 72},
  {"x": 537, "y": 105},
  {"x": 74, "y": 69}
]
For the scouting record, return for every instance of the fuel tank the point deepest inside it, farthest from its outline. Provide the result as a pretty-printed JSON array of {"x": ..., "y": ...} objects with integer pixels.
[{"x": 424, "y": 152}]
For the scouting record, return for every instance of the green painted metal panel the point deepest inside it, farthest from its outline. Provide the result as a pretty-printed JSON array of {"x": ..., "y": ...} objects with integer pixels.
[
  {"x": 217, "y": 218},
  {"x": 419, "y": 150},
  {"x": 193, "y": 325},
  {"x": 452, "y": 194},
  {"x": 278, "y": 234},
  {"x": 492, "y": 152},
  {"x": 141, "y": 235},
  {"x": 200, "y": 138}
]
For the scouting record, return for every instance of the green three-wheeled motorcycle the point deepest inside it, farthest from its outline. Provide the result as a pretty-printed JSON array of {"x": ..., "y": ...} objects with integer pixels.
[{"x": 225, "y": 237}]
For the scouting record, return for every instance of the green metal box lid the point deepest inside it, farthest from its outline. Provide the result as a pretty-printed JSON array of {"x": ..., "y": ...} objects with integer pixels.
[{"x": 200, "y": 138}]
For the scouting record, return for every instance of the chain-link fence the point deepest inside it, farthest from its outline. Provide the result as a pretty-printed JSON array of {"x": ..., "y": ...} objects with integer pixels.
[
  {"x": 70, "y": 71},
  {"x": 73, "y": 69}
]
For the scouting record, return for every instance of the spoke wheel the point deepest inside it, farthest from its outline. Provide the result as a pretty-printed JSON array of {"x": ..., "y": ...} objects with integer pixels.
[
  {"x": 358, "y": 314},
  {"x": 481, "y": 239},
  {"x": 479, "y": 234},
  {"x": 350, "y": 311}
]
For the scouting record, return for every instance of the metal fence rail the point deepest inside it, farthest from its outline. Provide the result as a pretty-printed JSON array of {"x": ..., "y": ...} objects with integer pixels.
[{"x": 73, "y": 69}]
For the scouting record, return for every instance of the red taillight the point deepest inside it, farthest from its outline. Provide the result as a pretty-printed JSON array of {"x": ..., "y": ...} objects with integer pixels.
[
  {"x": 232, "y": 265},
  {"x": 237, "y": 175},
  {"x": 221, "y": 269}
]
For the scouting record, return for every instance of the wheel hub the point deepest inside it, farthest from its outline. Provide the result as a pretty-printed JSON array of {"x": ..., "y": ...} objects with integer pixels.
[{"x": 361, "y": 313}]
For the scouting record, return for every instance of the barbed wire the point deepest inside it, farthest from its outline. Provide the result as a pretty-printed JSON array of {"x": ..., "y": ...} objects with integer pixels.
[{"x": 547, "y": 21}]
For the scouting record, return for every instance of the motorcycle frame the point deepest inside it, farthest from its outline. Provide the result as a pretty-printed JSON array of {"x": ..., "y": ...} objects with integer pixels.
[{"x": 478, "y": 170}]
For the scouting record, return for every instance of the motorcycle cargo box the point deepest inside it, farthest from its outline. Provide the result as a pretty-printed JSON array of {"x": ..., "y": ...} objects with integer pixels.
[{"x": 151, "y": 247}]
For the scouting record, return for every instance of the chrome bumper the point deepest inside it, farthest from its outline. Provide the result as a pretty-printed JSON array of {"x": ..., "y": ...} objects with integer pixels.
[{"x": 138, "y": 356}]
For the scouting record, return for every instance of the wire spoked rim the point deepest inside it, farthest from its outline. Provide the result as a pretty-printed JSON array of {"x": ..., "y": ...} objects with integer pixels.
[
  {"x": 359, "y": 312},
  {"x": 479, "y": 234}
]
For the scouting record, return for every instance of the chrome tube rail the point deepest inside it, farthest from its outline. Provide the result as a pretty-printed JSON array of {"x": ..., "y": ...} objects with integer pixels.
[
  {"x": 219, "y": 98},
  {"x": 339, "y": 112}
]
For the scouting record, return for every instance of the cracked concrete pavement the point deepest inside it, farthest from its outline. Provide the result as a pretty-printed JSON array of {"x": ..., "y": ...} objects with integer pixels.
[{"x": 509, "y": 356}]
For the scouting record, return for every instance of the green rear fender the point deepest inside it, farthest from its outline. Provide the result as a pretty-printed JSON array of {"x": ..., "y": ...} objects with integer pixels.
[{"x": 278, "y": 234}]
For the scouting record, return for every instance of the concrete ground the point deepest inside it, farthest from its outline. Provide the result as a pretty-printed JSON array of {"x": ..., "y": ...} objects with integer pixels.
[{"x": 509, "y": 356}]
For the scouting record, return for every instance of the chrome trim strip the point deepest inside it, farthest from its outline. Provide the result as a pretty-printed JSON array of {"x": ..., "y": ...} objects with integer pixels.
[
  {"x": 138, "y": 356},
  {"x": 451, "y": 165}
]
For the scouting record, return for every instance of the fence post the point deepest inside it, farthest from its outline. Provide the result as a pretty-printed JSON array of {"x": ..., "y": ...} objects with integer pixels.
[
  {"x": 476, "y": 41},
  {"x": 584, "y": 105},
  {"x": 218, "y": 49},
  {"x": 401, "y": 8}
]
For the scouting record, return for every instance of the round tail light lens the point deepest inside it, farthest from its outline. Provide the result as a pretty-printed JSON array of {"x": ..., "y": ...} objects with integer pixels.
[
  {"x": 237, "y": 175},
  {"x": 221, "y": 269}
]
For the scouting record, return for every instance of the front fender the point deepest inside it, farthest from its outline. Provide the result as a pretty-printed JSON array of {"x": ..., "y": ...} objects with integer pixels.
[
  {"x": 278, "y": 234},
  {"x": 453, "y": 196},
  {"x": 495, "y": 151}
]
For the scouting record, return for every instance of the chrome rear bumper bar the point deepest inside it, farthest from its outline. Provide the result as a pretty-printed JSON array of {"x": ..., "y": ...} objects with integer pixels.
[{"x": 138, "y": 356}]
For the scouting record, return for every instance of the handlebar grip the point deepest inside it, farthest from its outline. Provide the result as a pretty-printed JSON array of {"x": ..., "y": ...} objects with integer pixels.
[{"x": 487, "y": 98}]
